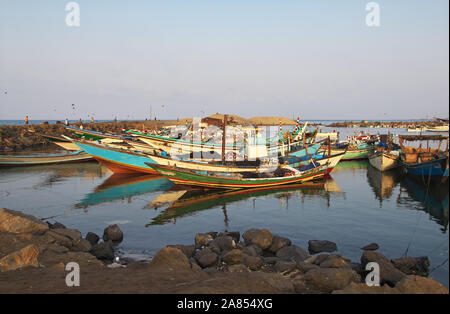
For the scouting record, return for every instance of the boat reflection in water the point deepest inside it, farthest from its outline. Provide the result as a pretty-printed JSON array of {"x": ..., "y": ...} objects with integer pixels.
[
  {"x": 433, "y": 199},
  {"x": 122, "y": 186},
  {"x": 383, "y": 182},
  {"x": 183, "y": 201},
  {"x": 353, "y": 165}
]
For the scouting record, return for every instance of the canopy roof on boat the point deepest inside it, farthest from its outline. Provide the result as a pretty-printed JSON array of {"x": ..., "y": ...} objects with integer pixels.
[{"x": 434, "y": 137}]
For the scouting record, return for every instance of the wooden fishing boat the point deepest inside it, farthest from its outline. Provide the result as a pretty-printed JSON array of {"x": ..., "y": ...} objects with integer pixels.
[
  {"x": 93, "y": 135},
  {"x": 438, "y": 128},
  {"x": 239, "y": 180},
  {"x": 49, "y": 159},
  {"x": 385, "y": 160},
  {"x": 428, "y": 164},
  {"x": 352, "y": 152},
  {"x": 321, "y": 159},
  {"x": 172, "y": 145},
  {"x": 127, "y": 161},
  {"x": 307, "y": 150},
  {"x": 60, "y": 141}
]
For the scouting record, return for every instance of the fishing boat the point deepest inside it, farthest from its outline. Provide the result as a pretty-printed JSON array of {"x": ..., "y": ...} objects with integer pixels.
[
  {"x": 306, "y": 150},
  {"x": 286, "y": 175},
  {"x": 438, "y": 128},
  {"x": 321, "y": 159},
  {"x": 385, "y": 160},
  {"x": 352, "y": 152},
  {"x": 427, "y": 164},
  {"x": 60, "y": 141},
  {"x": 127, "y": 161},
  {"x": 48, "y": 159}
]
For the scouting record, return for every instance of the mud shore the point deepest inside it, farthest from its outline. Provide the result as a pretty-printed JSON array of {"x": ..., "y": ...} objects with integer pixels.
[{"x": 34, "y": 255}]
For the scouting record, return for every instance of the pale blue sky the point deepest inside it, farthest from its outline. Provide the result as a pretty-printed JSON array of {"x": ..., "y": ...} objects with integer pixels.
[{"x": 316, "y": 59}]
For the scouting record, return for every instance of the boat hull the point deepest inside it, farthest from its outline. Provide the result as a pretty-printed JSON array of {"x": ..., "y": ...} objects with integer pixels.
[
  {"x": 25, "y": 161},
  {"x": 384, "y": 161},
  {"x": 179, "y": 176},
  {"x": 118, "y": 161}
]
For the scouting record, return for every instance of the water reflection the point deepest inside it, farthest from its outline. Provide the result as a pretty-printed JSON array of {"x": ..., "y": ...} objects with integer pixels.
[
  {"x": 433, "y": 199},
  {"x": 123, "y": 186},
  {"x": 180, "y": 201},
  {"x": 383, "y": 182}
]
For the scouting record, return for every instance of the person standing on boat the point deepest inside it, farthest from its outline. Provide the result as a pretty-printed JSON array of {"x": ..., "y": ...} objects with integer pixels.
[
  {"x": 66, "y": 122},
  {"x": 26, "y": 120}
]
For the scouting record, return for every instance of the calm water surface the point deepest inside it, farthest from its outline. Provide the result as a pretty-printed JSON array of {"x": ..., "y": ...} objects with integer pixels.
[{"x": 358, "y": 206}]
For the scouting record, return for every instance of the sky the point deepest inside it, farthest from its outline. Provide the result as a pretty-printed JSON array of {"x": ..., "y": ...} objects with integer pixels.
[{"x": 316, "y": 59}]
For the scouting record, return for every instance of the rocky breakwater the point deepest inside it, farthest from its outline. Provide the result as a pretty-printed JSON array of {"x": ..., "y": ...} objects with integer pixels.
[{"x": 34, "y": 253}]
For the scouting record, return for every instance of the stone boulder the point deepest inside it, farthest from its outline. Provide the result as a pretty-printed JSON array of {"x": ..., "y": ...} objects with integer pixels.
[
  {"x": 412, "y": 265},
  {"x": 28, "y": 256},
  {"x": 318, "y": 246},
  {"x": 171, "y": 258},
  {"x": 103, "y": 251},
  {"x": 371, "y": 247},
  {"x": 72, "y": 234},
  {"x": 253, "y": 262},
  {"x": 206, "y": 258},
  {"x": 113, "y": 233},
  {"x": 292, "y": 253},
  {"x": 388, "y": 273},
  {"x": 188, "y": 250},
  {"x": 326, "y": 280},
  {"x": 234, "y": 257},
  {"x": 223, "y": 243},
  {"x": 17, "y": 222},
  {"x": 92, "y": 238},
  {"x": 203, "y": 239},
  {"x": 420, "y": 285},
  {"x": 283, "y": 266},
  {"x": 82, "y": 245},
  {"x": 278, "y": 243},
  {"x": 261, "y": 237}
]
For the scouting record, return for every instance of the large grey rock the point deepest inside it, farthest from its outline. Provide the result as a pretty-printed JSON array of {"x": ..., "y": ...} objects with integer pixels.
[
  {"x": 261, "y": 237},
  {"x": 103, "y": 251},
  {"x": 318, "y": 246},
  {"x": 206, "y": 258},
  {"x": 17, "y": 222},
  {"x": 371, "y": 247},
  {"x": 223, "y": 242},
  {"x": 412, "y": 265},
  {"x": 292, "y": 253},
  {"x": 388, "y": 273},
  {"x": 113, "y": 233},
  {"x": 92, "y": 238},
  {"x": 278, "y": 243}
]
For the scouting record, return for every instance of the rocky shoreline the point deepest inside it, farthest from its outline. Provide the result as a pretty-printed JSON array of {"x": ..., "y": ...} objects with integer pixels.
[{"x": 33, "y": 255}]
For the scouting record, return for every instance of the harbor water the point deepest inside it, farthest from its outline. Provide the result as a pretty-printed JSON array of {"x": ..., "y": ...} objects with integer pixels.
[{"x": 358, "y": 206}]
